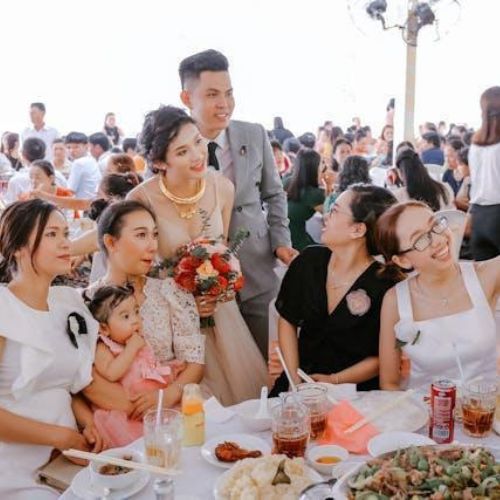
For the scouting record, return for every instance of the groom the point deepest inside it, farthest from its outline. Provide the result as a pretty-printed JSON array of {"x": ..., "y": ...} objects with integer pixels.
[{"x": 241, "y": 152}]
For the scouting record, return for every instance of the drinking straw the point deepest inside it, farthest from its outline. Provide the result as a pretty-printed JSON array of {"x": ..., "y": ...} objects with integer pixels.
[
  {"x": 459, "y": 363},
  {"x": 159, "y": 408}
]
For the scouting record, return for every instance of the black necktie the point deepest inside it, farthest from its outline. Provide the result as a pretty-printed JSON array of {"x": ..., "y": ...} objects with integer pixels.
[{"x": 212, "y": 157}]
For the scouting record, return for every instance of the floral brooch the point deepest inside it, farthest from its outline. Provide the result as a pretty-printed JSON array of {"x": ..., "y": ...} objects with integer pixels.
[
  {"x": 358, "y": 302},
  {"x": 406, "y": 334}
]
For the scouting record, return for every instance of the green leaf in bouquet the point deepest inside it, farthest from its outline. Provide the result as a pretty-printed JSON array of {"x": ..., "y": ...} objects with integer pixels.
[
  {"x": 199, "y": 252},
  {"x": 238, "y": 240}
]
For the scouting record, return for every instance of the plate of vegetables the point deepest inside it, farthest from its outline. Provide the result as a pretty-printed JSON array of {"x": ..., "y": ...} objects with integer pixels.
[{"x": 441, "y": 472}]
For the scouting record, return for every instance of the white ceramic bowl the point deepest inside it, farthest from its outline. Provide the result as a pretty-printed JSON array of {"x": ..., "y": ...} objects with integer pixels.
[
  {"x": 326, "y": 450},
  {"x": 120, "y": 481},
  {"x": 247, "y": 411}
]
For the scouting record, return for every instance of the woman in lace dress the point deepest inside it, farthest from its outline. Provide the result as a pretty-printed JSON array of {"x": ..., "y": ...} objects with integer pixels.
[
  {"x": 127, "y": 234},
  {"x": 190, "y": 202}
]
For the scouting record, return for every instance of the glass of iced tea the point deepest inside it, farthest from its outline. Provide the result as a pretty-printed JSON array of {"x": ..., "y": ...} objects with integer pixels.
[
  {"x": 479, "y": 401},
  {"x": 290, "y": 426},
  {"x": 314, "y": 396},
  {"x": 163, "y": 439}
]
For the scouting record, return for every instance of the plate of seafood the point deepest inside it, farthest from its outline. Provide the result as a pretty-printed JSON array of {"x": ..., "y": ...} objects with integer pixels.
[
  {"x": 420, "y": 472},
  {"x": 225, "y": 450}
]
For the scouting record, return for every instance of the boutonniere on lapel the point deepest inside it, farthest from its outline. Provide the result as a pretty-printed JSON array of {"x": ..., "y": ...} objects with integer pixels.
[
  {"x": 243, "y": 151},
  {"x": 406, "y": 333},
  {"x": 75, "y": 325},
  {"x": 358, "y": 302}
]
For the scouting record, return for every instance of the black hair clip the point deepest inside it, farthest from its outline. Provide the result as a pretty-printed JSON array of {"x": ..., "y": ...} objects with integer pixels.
[
  {"x": 75, "y": 325},
  {"x": 243, "y": 150}
]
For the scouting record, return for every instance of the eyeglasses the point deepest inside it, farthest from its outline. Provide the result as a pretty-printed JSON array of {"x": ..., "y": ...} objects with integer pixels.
[
  {"x": 422, "y": 243},
  {"x": 334, "y": 209}
]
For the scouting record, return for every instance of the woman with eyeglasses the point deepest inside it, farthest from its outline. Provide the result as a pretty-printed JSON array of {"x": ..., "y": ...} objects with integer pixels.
[
  {"x": 333, "y": 293},
  {"x": 445, "y": 308}
]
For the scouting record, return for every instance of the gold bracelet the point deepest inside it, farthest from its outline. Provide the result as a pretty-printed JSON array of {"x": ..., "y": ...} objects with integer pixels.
[
  {"x": 179, "y": 386},
  {"x": 334, "y": 377}
]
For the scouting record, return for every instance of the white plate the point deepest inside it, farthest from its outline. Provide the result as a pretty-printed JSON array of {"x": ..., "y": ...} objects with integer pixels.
[
  {"x": 392, "y": 441},
  {"x": 315, "y": 477},
  {"x": 244, "y": 440},
  {"x": 82, "y": 487},
  {"x": 341, "y": 489},
  {"x": 409, "y": 415}
]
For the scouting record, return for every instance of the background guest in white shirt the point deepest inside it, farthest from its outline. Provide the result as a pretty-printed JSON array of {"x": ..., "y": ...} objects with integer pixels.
[
  {"x": 99, "y": 147},
  {"x": 85, "y": 176},
  {"x": 40, "y": 129},
  {"x": 484, "y": 162},
  {"x": 33, "y": 149},
  {"x": 60, "y": 158}
]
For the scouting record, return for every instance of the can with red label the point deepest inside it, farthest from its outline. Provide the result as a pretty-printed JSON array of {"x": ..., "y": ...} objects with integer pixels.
[{"x": 443, "y": 396}]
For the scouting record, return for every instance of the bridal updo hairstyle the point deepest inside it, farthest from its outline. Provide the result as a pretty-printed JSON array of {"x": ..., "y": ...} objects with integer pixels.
[
  {"x": 18, "y": 222},
  {"x": 160, "y": 128}
]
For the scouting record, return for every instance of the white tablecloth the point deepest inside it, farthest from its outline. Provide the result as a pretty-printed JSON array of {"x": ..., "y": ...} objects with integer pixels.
[{"x": 198, "y": 476}]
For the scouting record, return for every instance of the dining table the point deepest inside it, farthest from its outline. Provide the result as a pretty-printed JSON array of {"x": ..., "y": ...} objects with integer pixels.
[{"x": 197, "y": 478}]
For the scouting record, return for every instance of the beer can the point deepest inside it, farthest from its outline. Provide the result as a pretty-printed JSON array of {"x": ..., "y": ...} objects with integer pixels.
[{"x": 443, "y": 397}]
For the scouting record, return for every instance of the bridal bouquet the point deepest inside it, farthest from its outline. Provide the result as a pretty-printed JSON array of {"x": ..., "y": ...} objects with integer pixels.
[{"x": 207, "y": 267}]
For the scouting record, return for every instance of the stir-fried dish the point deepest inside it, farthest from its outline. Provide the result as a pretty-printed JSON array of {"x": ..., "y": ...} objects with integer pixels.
[{"x": 429, "y": 472}]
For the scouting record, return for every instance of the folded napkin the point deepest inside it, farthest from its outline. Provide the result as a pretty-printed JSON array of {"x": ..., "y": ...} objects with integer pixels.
[
  {"x": 215, "y": 412},
  {"x": 340, "y": 418}
]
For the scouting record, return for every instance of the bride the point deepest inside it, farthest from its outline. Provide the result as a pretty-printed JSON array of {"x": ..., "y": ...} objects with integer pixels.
[{"x": 190, "y": 202}]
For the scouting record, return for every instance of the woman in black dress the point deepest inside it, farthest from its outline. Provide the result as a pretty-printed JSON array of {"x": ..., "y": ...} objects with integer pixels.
[{"x": 333, "y": 294}]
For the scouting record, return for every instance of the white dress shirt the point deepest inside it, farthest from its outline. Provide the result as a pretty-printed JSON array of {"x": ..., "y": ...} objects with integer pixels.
[
  {"x": 47, "y": 134},
  {"x": 20, "y": 183},
  {"x": 84, "y": 177},
  {"x": 102, "y": 161},
  {"x": 484, "y": 164},
  {"x": 223, "y": 154}
]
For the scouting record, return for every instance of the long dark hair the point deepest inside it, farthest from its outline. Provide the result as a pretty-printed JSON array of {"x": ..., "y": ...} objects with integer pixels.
[
  {"x": 17, "y": 223},
  {"x": 419, "y": 184},
  {"x": 305, "y": 173},
  {"x": 160, "y": 128},
  {"x": 354, "y": 171},
  {"x": 489, "y": 133},
  {"x": 112, "y": 219}
]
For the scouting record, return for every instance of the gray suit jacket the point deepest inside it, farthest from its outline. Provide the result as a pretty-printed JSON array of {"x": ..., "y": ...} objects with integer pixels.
[{"x": 257, "y": 184}]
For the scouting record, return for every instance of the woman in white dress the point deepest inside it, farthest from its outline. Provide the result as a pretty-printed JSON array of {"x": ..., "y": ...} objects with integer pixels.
[
  {"x": 190, "y": 202},
  {"x": 445, "y": 307},
  {"x": 42, "y": 360},
  {"x": 128, "y": 235}
]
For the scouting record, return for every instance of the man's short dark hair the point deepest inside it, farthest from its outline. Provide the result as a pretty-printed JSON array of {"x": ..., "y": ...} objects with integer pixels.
[
  {"x": 308, "y": 140},
  {"x": 100, "y": 139},
  {"x": 432, "y": 138},
  {"x": 76, "y": 138},
  {"x": 291, "y": 145},
  {"x": 209, "y": 60},
  {"x": 33, "y": 149},
  {"x": 39, "y": 105},
  {"x": 129, "y": 143}
]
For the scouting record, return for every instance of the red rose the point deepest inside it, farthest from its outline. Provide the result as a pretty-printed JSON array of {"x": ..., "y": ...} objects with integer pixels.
[
  {"x": 223, "y": 282},
  {"x": 186, "y": 281},
  {"x": 239, "y": 283},
  {"x": 188, "y": 263},
  {"x": 220, "y": 264},
  {"x": 215, "y": 290}
]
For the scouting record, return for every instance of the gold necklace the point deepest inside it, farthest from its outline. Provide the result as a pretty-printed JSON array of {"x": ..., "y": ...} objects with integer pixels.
[
  {"x": 331, "y": 284},
  {"x": 184, "y": 213}
]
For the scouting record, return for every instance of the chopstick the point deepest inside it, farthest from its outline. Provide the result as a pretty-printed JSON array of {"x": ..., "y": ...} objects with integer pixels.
[
  {"x": 306, "y": 378},
  {"x": 379, "y": 412},
  {"x": 94, "y": 457},
  {"x": 283, "y": 364}
]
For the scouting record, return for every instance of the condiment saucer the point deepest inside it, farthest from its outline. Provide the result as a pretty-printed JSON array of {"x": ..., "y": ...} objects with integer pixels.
[{"x": 82, "y": 487}]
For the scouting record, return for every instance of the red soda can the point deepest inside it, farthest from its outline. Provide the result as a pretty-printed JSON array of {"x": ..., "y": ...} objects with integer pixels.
[{"x": 443, "y": 396}]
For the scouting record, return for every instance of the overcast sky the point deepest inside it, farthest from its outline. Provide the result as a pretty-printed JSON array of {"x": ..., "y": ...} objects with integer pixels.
[{"x": 305, "y": 61}]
